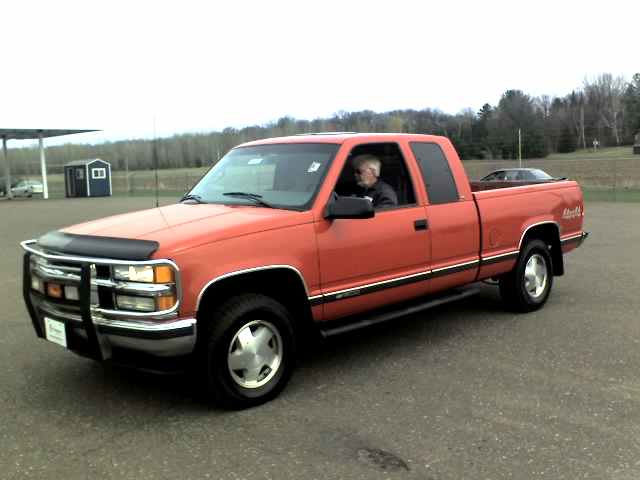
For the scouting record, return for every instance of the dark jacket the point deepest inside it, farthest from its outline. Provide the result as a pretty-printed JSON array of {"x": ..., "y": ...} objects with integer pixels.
[{"x": 381, "y": 194}]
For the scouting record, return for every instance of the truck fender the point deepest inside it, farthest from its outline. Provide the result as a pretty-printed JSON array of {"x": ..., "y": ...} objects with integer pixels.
[
  {"x": 549, "y": 232},
  {"x": 283, "y": 283}
]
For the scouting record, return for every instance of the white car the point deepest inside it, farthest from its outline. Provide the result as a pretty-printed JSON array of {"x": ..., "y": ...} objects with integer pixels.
[
  {"x": 26, "y": 188},
  {"x": 516, "y": 175}
]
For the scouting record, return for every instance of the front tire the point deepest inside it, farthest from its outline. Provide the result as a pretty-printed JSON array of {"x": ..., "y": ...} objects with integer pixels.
[
  {"x": 527, "y": 287},
  {"x": 249, "y": 351}
]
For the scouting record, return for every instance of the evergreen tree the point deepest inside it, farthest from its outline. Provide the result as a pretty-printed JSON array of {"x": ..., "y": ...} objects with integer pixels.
[
  {"x": 631, "y": 101},
  {"x": 567, "y": 141}
]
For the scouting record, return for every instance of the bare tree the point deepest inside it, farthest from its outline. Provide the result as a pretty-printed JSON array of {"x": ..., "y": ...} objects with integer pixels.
[
  {"x": 543, "y": 103},
  {"x": 605, "y": 95},
  {"x": 576, "y": 111}
]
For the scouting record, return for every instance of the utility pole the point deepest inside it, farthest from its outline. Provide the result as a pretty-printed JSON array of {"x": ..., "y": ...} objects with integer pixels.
[
  {"x": 7, "y": 168},
  {"x": 43, "y": 168},
  {"x": 155, "y": 158},
  {"x": 519, "y": 148},
  {"x": 126, "y": 174},
  {"x": 584, "y": 141}
]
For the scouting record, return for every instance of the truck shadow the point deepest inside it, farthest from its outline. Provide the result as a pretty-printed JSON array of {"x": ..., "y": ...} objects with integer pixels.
[
  {"x": 108, "y": 389},
  {"x": 432, "y": 327}
]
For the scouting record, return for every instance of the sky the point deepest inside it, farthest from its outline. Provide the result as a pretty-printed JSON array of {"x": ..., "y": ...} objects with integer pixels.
[{"x": 132, "y": 68}]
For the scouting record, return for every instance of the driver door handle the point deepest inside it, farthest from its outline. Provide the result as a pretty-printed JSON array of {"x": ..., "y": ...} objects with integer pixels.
[{"x": 421, "y": 224}]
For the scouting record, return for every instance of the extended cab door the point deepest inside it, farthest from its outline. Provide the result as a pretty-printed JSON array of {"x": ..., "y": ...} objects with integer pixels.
[
  {"x": 453, "y": 218},
  {"x": 365, "y": 263}
]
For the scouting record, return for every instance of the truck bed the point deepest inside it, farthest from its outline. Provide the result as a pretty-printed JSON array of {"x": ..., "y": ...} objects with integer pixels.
[{"x": 508, "y": 209}]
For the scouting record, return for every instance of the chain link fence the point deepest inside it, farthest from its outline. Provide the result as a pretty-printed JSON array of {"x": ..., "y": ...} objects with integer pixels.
[
  {"x": 170, "y": 182},
  {"x": 140, "y": 182}
]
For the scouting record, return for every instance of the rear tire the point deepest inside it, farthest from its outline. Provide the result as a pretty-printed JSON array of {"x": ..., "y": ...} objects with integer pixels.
[
  {"x": 527, "y": 287},
  {"x": 247, "y": 352}
]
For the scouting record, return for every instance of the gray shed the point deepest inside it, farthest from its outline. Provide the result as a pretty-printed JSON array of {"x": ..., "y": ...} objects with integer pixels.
[{"x": 87, "y": 178}]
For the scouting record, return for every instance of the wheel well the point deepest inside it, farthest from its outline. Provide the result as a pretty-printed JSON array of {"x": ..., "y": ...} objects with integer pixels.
[
  {"x": 550, "y": 235},
  {"x": 283, "y": 285}
]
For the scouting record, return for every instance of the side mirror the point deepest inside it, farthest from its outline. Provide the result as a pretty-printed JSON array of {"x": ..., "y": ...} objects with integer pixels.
[{"x": 349, "y": 207}]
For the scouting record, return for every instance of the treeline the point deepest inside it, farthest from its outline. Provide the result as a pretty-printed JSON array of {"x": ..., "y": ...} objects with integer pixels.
[{"x": 606, "y": 109}]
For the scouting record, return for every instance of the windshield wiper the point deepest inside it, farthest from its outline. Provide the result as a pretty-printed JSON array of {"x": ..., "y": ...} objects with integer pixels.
[
  {"x": 195, "y": 198},
  {"x": 251, "y": 196}
]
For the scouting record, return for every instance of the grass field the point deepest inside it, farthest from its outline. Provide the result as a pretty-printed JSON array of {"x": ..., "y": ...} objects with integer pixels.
[
  {"x": 610, "y": 174},
  {"x": 611, "y": 195},
  {"x": 609, "y": 153}
]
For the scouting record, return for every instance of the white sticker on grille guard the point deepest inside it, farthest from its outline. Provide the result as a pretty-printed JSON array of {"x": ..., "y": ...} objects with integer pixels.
[{"x": 55, "y": 332}]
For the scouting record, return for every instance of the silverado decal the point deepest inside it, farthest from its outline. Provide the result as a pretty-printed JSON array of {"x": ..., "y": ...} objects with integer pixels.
[{"x": 570, "y": 214}]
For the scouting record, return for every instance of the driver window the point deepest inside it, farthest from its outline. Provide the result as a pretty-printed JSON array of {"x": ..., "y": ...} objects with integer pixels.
[{"x": 378, "y": 172}]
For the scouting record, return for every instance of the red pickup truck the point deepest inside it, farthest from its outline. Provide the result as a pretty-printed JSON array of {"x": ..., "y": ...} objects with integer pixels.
[{"x": 277, "y": 243}]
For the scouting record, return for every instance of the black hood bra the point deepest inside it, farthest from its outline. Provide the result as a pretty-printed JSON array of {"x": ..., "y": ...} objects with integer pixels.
[{"x": 99, "y": 247}]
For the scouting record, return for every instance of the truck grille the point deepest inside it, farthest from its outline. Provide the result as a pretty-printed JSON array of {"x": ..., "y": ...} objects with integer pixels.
[
  {"x": 68, "y": 275},
  {"x": 57, "y": 280},
  {"x": 106, "y": 304}
]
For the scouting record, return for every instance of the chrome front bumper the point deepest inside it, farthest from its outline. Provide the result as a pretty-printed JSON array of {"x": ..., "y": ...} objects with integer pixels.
[{"x": 95, "y": 331}]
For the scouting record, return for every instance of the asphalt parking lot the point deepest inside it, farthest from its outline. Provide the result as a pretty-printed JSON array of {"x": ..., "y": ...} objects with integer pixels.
[{"x": 466, "y": 391}]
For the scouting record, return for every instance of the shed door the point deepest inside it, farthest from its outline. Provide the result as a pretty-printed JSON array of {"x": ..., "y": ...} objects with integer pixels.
[
  {"x": 70, "y": 182},
  {"x": 99, "y": 179},
  {"x": 81, "y": 182}
]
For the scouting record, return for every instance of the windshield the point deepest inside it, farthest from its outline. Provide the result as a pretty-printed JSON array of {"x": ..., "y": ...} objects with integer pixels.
[
  {"x": 280, "y": 176},
  {"x": 540, "y": 175}
]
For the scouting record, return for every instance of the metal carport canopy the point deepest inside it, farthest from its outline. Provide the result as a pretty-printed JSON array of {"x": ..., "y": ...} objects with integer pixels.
[{"x": 31, "y": 134}]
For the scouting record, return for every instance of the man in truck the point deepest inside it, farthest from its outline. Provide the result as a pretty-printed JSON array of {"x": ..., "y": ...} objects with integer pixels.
[{"x": 367, "y": 172}]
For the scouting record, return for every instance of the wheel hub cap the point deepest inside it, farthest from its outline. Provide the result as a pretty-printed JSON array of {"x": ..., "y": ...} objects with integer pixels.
[
  {"x": 255, "y": 354},
  {"x": 535, "y": 276}
]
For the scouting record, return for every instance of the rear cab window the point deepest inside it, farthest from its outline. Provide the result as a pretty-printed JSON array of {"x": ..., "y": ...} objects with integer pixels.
[{"x": 436, "y": 173}]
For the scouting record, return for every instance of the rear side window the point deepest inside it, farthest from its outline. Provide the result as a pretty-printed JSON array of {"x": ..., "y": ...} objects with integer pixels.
[{"x": 439, "y": 182}]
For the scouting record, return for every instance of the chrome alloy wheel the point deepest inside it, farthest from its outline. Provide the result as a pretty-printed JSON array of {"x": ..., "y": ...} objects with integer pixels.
[
  {"x": 255, "y": 354},
  {"x": 535, "y": 276}
]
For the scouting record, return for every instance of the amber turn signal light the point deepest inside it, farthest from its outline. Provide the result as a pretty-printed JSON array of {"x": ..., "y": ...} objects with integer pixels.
[
  {"x": 54, "y": 290},
  {"x": 165, "y": 302},
  {"x": 163, "y": 274}
]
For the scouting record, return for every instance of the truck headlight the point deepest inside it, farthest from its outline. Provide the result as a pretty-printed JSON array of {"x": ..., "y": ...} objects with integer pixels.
[
  {"x": 145, "y": 304},
  {"x": 140, "y": 304},
  {"x": 144, "y": 273},
  {"x": 37, "y": 284},
  {"x": 71, "y": 293}
]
